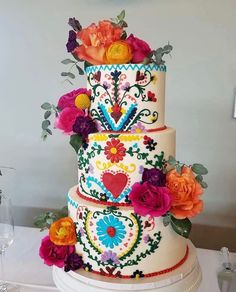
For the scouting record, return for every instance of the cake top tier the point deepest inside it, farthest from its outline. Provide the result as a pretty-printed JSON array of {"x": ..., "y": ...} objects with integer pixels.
[{"x": 127, "y": 97}]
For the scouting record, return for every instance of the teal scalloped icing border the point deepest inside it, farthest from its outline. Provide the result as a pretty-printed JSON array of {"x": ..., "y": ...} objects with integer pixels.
[
  {"x": 71, "y": 202},
  {"x": 92, "y": 69}
]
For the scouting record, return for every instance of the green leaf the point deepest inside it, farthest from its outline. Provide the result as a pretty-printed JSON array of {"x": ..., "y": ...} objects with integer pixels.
[
  {"x": 121, "y": 16},
  {"x": 44, "y": 135},
  {"x": 45, "y": 124},
  {"x": 67, "y": 61},
  {"x": 199, "y": 169},
  {"x": 178, "y": 168},
  {"x": 182, "y": 227},
  {"x": 203, "y": 184},
  {"x": 76, "y": 142},
  {"x": 166, "y": 220},
  {"x": 49, "y": 131},
  {"x": 71, "y": 75},
  {"x": 80, "y": 70},
  {"x": 123, "y": 23},
  {"x": 47, "y": 114},
  {"x": 171, "y": 160},
  {"x": 199, "y": 178},
  {"x": 46, "y": 106}
]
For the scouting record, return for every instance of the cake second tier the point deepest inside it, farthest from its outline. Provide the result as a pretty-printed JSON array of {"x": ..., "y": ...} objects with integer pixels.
[{"x": 113, "y": 162}]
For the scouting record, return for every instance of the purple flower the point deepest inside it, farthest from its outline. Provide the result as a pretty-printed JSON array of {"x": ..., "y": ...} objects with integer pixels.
[
  {"x": 84, "y": 126},
  {"x": 109, "y": 256},
  {"x": 141, "y": 169},
  {"x": 106, "y": 85},
  {"x": 75, "y": 24},
  {"x": 154, "y": 176},
  {"x": 138, "y": 128},
  {"x": 126, "y": 86},
  {"x": 81, "y": 231},
  {"x": 146, "y": 238},
  {"x": 71, "y": 43},
  {"x": 73, "y": 262},
  {"x": 91, "y": 168}
]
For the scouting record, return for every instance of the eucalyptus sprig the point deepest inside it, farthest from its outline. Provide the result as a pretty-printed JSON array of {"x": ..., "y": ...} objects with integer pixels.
[
  {"x": 197, "y": 168},
  {"x": 50, "y": 109},
  {"x": 73, "y": 64},
  {"x": 44, "y": 220},
  {"x": 157, "y": 55}
]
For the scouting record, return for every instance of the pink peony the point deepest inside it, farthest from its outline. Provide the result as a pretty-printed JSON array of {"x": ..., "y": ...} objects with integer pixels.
[
  {"x": 67, "y": 118},
  {"x": 148, "y": 199},
  {"x": 54, "y": 254},
  {"x": 68, "y": 99},
  {"x": 140, "y": 49}
]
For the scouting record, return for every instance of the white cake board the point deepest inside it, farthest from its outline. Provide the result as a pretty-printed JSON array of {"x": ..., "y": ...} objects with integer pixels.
[{"x": 186, "y": 278}]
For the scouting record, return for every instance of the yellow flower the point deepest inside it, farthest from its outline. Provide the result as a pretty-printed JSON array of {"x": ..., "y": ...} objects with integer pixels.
[
  {"x": 82, "y": 101},
  {"x": 119, "y": 52},
  {"x": 62, "y": 232}
]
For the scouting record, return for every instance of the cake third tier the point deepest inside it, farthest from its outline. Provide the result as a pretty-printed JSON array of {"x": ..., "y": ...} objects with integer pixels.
[{"x": 112, "y": 162}]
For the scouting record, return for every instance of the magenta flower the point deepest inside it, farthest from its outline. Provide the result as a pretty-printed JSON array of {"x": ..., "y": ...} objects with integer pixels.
[
  {"x": 66, "y": 119},
  {"x": 68, "y": 99},
  {"x": 126, "y": 86},
  {"x": 148, "y": 199},
  {"x": 141, "y": 49},
  {"x": 154, "y": 176},
  {"x": 53, "y": 254},
  {"x": 109, "y": 256}
]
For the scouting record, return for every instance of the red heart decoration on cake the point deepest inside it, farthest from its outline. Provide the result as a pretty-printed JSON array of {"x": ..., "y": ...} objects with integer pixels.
[
  {"x": 114, "y": 183},
  {"x": 97, "y": 76},
  {"x": 139, "y": 76}
]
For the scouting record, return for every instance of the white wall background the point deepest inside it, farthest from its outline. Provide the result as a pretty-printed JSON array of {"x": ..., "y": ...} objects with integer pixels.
[{"x": 199, "y": 95}]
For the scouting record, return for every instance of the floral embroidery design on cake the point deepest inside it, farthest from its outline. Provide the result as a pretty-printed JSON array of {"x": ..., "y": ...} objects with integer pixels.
[
  {"x": 114, "y": 98},
  {"x": 110, "y": 231},
  {"x": 110, "y": 257},
  {"x": 150, "y": 143},
  {"x": 114, "y": 150}
]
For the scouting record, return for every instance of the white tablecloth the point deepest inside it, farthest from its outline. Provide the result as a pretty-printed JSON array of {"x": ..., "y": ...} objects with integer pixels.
[{"x": 23, "y": 265}]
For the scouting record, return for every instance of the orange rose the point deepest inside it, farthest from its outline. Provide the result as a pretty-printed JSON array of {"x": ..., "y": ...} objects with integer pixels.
[
  {"x": 119, "y": 52},
  {"x": 95, "y": 39},
  {"x": 93, "y": 55},
  {"x": 62, "y": 232},
  {"x": 185, "y": 191}
]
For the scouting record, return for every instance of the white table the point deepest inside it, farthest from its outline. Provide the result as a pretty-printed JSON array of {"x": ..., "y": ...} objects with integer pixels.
[{"x": 24, "y": 266}]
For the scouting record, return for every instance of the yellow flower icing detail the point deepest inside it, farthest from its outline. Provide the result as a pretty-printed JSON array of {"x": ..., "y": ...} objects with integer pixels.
[
  {"x": 82, "y": 101},
  {"x": 106, "y": 165},
  {"x": 109, "y": 110},
  {"x": 131, "y": 244},
  {"x": 130, "y": 137},
  {"x": 123, "y": 110},
  {"x": 88, "y": 228},
  {"x": 98, "y": 137}
]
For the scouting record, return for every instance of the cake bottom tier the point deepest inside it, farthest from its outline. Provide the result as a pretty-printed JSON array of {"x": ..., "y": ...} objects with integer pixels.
[
  {"x": 117, "y": 243},
  {"x": 186, "y": 278}
]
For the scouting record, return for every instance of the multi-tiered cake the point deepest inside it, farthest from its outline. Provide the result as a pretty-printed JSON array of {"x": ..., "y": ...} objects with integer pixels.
[{"x": 128, "y": 215}]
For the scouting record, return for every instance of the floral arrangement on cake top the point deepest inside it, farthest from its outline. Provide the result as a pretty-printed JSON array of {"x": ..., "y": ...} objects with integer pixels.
[{"x": 103, "y": 43}]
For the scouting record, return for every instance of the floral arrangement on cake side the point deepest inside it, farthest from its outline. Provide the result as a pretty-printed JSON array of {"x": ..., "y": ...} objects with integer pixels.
[{"x": 171, "y": 191}]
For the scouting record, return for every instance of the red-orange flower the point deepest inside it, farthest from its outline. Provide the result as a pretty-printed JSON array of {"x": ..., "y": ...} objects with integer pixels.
[
  {"x": 115, "y": 151},
  {"x": 185, "y": 192},
  {"x": 62, "y": 232},
  {"x": 95, "y": 39}
]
